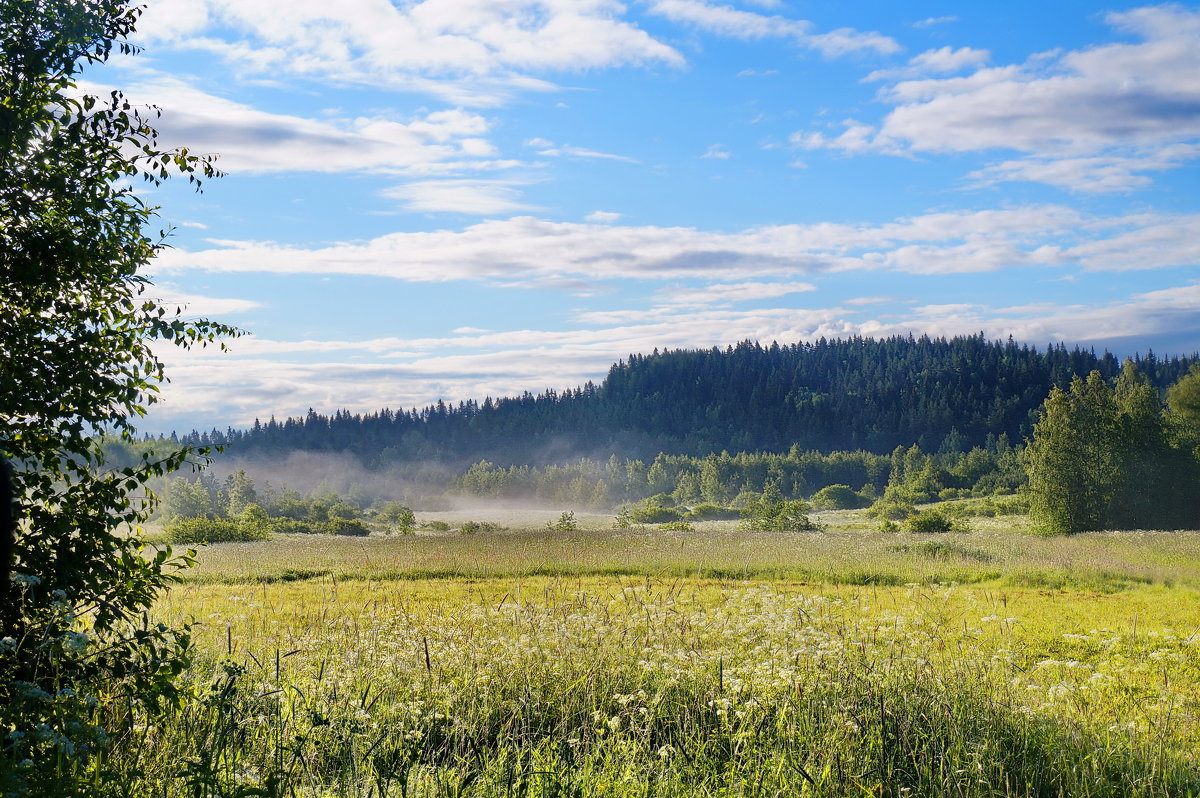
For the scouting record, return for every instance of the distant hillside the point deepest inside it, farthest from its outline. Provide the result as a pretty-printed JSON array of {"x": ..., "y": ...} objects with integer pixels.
[{"x": 850, "y": 394}]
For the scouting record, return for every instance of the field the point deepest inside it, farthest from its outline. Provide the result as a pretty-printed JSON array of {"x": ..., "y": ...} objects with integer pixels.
[{"x": 708, "y": 662}]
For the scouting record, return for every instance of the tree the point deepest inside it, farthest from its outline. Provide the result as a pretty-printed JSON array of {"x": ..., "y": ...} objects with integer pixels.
[
  {"x": 1183, "y": 398},
  {"x": 1071, "y": 460},
  {"x": 77, "y": 326},
  {"x": 238, "y": 492},
  {"x": 1142, "y": 495},
  {"x": 186, "y": 498},
  {"x": 1106, "y": 459}
]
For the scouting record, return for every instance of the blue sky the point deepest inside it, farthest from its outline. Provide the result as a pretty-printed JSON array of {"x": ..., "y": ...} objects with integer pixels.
[{"x": 461, "y": 198}]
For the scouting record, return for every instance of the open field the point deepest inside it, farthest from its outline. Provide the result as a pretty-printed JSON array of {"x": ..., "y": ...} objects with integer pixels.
[
  {"x": 997, "y": 552},
  {"x": 713, "y": 662}
]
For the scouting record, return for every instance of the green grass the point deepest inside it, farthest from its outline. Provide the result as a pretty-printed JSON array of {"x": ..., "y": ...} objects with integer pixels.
[
  {"x": 848, "y": 552},
  {"x": 713, "y": 662}
]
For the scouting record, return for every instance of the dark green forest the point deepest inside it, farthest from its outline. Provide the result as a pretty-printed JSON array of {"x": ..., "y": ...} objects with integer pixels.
[{"x": 940, "y": 394}]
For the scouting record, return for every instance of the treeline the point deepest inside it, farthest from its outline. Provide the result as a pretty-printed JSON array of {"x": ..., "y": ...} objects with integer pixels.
[
  {"x": 729, "y": 479},
  {"x": 830, "y": 395}
]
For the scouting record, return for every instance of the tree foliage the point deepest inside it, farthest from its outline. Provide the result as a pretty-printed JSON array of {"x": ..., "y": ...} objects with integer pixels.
[
  {"x": 1104, "y": 458},
  {"x": 78, "y": 325}
]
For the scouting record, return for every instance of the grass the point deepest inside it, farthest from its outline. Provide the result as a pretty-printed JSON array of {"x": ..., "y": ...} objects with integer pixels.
[{"x": 712, "y": 662}]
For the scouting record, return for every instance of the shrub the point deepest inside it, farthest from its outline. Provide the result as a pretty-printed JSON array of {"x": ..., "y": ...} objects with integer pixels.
[
  {"x": 399, "y": 516},
  {"x": 288, "y": 526},
  {"x": 565, "y": 523},
  {"x": 770, "y": 512},
  {"x": 478, "y": 527},
  {"x": 436, "y": 526},
  {"x": 932, "y": 520},
  {"x": 654, "y": 510},
  {"x": 351, "y": 527},
  {"x": 207, "y": 530},
  {"x": 891, "y": 509},
  {"x": 712, "y": 512},
  {"x": 678, "y": 526},
  {"x": 836, "y": 497},
  {"x": 254, "y": 521}
]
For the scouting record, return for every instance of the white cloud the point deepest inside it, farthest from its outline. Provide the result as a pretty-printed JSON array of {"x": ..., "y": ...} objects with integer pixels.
[
  {"x": 717, "y": 152},
  {"x": 602, "y": 217},
  {"x": 730, "y": 293},
  {"x": 929, "y": 22},
  {"x": 943, "y": 61},
  {"x": 1108, "y": 113},
  {"x": 528, "y": 250},
  {"x": 251, "y": 141},
  {"x": 855, "y": 139},
  {"x": 551, "y": 150},
  {"x": 1096, "y": 174},
  {"x": 728, "y": 21},
  {"x": 475, "y": 197},
  {"x": 468, "y": 51}
]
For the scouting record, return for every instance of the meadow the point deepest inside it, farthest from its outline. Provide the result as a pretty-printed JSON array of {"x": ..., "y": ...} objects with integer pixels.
[{"x": 714, "y": 661}]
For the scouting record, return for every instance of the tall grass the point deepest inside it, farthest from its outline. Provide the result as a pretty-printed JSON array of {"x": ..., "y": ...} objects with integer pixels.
[
  {"x": 615, "y": 686},
  {"x": 844, "y": 554}
]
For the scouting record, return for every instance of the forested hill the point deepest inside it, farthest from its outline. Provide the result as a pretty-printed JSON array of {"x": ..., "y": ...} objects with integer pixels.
[{"x": 858, "y": 393}]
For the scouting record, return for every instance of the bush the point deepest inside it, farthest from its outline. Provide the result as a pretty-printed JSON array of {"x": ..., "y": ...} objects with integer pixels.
[
  {"x": 836, "y": 497},
  {"x": 351, "y": 527},
  {"x": 399, "y": 516},
  {"x": 932, "y": 520},
  {"x": 478, "y": 527},
  {"x": 770, "y": 512},
  {"x": 288, "y": 526},
  {"x": 891, "y": 509},
  {"x": 565, "y": 523},
  {"x": 436, "y": 526},
  {"x": 678, "y": 526},
  {"x": 206, "y": 530},
  {"x": 650, "y": 511},
  {"x": 712, "y": 512}
]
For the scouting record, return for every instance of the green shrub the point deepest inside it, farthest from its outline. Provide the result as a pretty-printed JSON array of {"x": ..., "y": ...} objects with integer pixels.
[
  {"x": 436, "y": 526},
  {"x": 350, "y": 527},
  {"x": 208, "y": 530},
  {"x": 888, "y": 526},
  {"x": 836, "y": 497},
  {"x": 655, "y": 515},
  {"x": 478, "y": 527},
  {"x": 712, "y": 512},
  {"x": 288, "y": 526},
  {"x": 770, "y": 512},
  {"x": 565, "y": 523},
  {"x": 932, "y": 520},
  {"x": 398, "y": 516},
  {"x": 891, "y": 509},
  {"x": 678, "y": 526}
]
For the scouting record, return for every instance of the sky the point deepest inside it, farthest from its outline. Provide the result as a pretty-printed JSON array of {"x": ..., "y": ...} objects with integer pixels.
[{"x": 454, "y": 199}]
